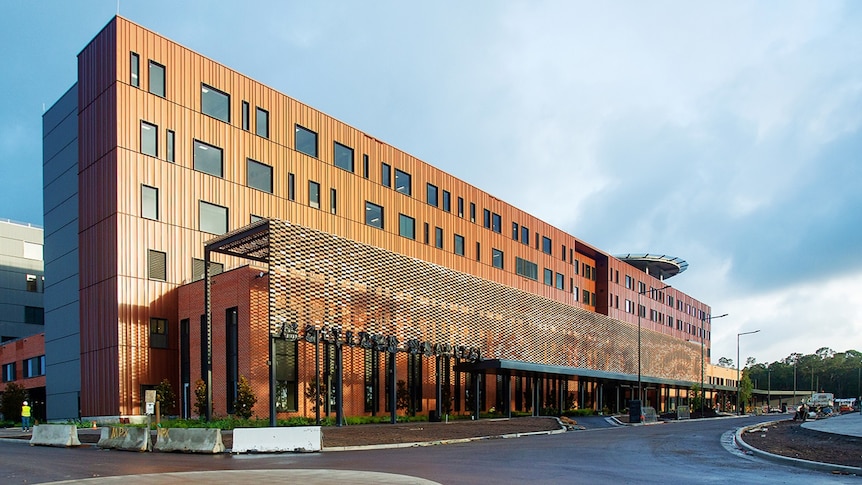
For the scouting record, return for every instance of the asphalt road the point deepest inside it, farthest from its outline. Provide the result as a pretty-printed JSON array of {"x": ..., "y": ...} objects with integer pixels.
[{"x": 682, "y": 452}]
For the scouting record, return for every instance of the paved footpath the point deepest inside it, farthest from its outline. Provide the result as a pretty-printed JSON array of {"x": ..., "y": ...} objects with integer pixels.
[{"x": 848, "y": 424}]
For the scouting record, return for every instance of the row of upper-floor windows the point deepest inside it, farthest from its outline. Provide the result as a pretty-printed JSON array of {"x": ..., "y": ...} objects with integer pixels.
[
  {"x": 216, "y": 103},
  {"x": 33, "y": 367},
  {"x": 658, "y": 295},
  {"x": 657, "y": 316}
]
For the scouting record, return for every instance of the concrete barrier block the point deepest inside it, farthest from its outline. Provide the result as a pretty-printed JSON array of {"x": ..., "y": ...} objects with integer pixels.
[
  {"x": 125, "y": 438},
  {"x": 277, "y": 440},
  {"x": 190, "y": 440},
  {"x": 55, "y": 435}
]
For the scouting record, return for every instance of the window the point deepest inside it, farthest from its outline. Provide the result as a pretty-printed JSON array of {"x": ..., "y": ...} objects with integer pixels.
[
  {"x": 231, "y": 357},
  {"x": 259, "y": 175},
  {"x": 459, "y": 245},
  {"x": 447, "y": 201},
  {"x": 34, "y": 367},
  {"x": 158, "y": 333},
  {"x": 215, "y": 103},
  {"x": 438, "y": 237},
  {"x": 343, "y": 156},
  {"x": 32, "y": 250},
  {"x": 213, "y": 218},
  {"x": 9, "y": 372},
  {"x": 134, "y": 70},
  {"x": 365, "y": 166},
  {"x": 486, "y": 219},
  {"x": 333, "y": 201},
  {"x": 34, "y": 315},
  {"x": 497, "y": 258},
  {"x": 245, "y": 116},
  {"x": 286, "y": 388},
  {"x": 261, "y": 123},
  {"x": 402, "y": 182},
  {"x": 629, "y": 282},
  {"x": 291, "y": 187},
  {"x": 546, "y": 245},
  {"x": 157, "y": 79},
  {"x": 496, "y": 223},
  {"x": 406, "y": 226},
  {"x": 478, "y": 251},
  {"x": 549, "y": 277},
  {"x": 149, "y": 139},
  {"x": 149, "y": 202},
  {"x": 460, "y": 207},
  {"x": 306, "y": 141},
  {"x": 564, "y": 252},
  {"x": 586, "y": 297},
  {"x": 157, "y": 265},
  {"x": 560, "y": 282},
  {"x": 373, "y": 215},
  {"x": 207, "y": 158},
  {"x": 314, "y": 194},
  {"x": 527, "y": 269},
  {"x": 198, "y": 269},
  {"x": 32, "y": 283},
  {"x": 169, "y": 146},
  {"x": 425, "y": 233},
  {"x": 431, "y": 194},
  {"x": 253, "y": 218},
  {"x": 385, "y": 175},
  {"x": 525, "y": 235},
  {"x": 472, "y": 212},
  {"x": 515, "y": 231}
]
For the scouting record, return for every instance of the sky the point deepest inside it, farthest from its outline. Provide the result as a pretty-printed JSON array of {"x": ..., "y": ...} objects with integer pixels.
[{"x": 723, "y": 133}]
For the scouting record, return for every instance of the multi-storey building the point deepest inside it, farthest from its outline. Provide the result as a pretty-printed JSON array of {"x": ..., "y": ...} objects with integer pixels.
[{"x": 157, "y": 150}]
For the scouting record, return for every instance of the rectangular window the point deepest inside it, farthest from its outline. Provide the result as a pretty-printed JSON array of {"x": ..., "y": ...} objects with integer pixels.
[
  {"x": 431, "y": 194},
  {"x": 478, "y": 251},
  {"x": 525, "y": 235},
  {"x": 306, "y": 141},
  {"x": 546, "y": 245},
  {"x": 486, "y": 219},
  {"x": 198, "y": 269},
  {"x": 403, "y": 183},
  {"x": 447, "y": 201},
  {"x": 34, "y": 367},
  {"x": 286, "y": 382},
  {"x": 215, "y": 103},
  {"x": 32, "y": 283},
  {"x": 497, "y": 258},
  {"x": 34, "y": 315},
  {"x": 9, "y": 372},
  {"x": 586, "y": 297},
  {"x": 261, "y": 123},
  {"x": 425, "y": 234},
  {"x": 496, "y": 223},
  {"x": 629, "y": 282},
  {"x": 459, "y": 245},
  {"x": 157, "y": 79},
  {"x": 157, "y": 265},
  {"x": 365, "y": 166},
  {"x": 169, "y": 146},
  {"x": 515, "y": 231},
  {"x": 333, "y": 201},
  {"x": 438, "y": 237},
  {"x": 564, "y": 252},
  {"x": 213, "y": 218},
  {"x": 385, "y": 175},
  {"x": 460, "y": 207},
  {"x": 548, "y": 277},
  {"x": 371, "y": 380},
  {"x": 259, "y": 175},
  {"x": 246, "y": 124},
  {"x": 560, "y": 282},
  {"x": 406, "y": 226},
  {"x": 343, "y": 156},
  {"x": 158, "y": 333},
  {"x": 208, "y": 158},
  {"x": 373, "y": 215},
  {"x": 253, "y": 218},
  {"x": 134, "y": 70},
  {"x": 527, "y": 269},
  {"x": 472, "y": 212},
  {"x": 149, "y": 202},
  {"x": 231, "y": 348},
  {"x": 314, "y": 194},
  {"x": 291, "y": 187},
  {"x": 149, "y": 139}
]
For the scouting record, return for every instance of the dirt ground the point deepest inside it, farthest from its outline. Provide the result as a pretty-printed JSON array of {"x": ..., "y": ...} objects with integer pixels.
[{"x": 789, "y": 438}]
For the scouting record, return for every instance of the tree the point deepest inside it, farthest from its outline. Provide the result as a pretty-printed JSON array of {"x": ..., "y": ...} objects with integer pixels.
[
  {"x": 697, "y": 397},
  {"x": 11, "y": 400},
  {"x": 745, "y": 388},
  {"x": 725, "y": 362},
  {"x": 166, "y": 397},
  {"x": 402, "y": 397},
  {"x": 245, "y": 398},
  {"x": 201, "y": 398}
]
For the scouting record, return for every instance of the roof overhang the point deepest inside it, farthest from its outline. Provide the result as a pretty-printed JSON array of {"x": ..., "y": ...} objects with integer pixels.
[{"x": 661, "y": 266}]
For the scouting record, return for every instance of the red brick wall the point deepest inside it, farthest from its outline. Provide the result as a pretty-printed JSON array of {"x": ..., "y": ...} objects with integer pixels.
[{"x": 18, "y": 351}]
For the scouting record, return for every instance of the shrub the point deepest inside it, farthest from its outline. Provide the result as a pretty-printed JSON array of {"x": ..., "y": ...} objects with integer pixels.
[
  {"x": 166, "y": 397},
  {"x": 201, "y": 398},
  {"x": 245, "y": 398},
  {"x": 11, "y": 400}
]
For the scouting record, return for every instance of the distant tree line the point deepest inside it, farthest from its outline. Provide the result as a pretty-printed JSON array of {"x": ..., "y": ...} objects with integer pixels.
[{"x": 825, "y": 370}]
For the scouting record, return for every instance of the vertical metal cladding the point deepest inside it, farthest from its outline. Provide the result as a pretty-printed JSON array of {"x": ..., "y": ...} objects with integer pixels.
[{"x": 330, "y": 282}]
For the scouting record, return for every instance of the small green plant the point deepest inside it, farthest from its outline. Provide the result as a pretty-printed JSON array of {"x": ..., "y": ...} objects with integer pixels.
[
  {"x": 245, "y": 398},
  {"x": 166, "y": 397},
  {"x": 201, "y": 398}
]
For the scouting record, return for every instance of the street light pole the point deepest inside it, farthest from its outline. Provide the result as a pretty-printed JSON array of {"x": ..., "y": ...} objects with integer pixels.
[
  {"x": 738, "y": 410},
  {"x": 702, "y": 362},
  {"x": 640, "y": 393}
]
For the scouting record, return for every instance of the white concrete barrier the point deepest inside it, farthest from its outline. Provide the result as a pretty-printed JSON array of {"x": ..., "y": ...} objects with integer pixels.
[
  {"x": 125, "y": 438},
  {"x": 276, "y": 440},
  {"x": 194, "y": 440},
  {"x": 55, "y": 435}
]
